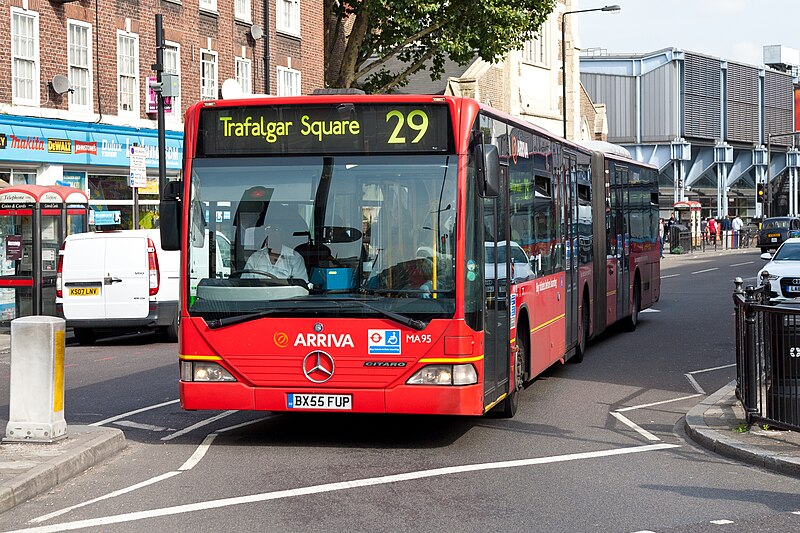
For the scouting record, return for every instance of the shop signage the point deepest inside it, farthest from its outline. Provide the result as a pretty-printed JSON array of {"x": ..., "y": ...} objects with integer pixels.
[
  {"x": 85, "y": 147},
  {"x": 37, "y": 140},
  {"x": 59, "y": 146},
  {"x": 27, "y": 143}
]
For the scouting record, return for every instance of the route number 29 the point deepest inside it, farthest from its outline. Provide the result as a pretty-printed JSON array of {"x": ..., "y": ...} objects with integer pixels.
[{"x": 417, "y": 120}]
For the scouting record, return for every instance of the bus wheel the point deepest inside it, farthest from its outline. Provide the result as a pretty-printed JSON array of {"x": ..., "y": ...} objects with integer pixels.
[
  {"x": 633, "y": 320},
  {"x": 511, "y": 403},
  {"x": 583, "y": 334}
]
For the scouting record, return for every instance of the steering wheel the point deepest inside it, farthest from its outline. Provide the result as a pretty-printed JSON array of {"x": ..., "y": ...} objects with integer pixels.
[{"x": 238, "y": 273}]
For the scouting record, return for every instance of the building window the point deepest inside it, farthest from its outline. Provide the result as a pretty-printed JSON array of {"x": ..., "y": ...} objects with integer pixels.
[
  {"x": 128, "y": 73},
  {"x": 208, "y": 75},
  {"x": 289, "y": 16},
  {"x": 208, "y": 5},
  {"x": 538, "y": 50},
  {"x": 288, "y": 82},
  {"x": 242, "y": 10},
  {"x": 25, "y": 57},
  {"x": 172, "y": 65},
  {"x": 244, "y": 76},
  {"x": 79, "y": 55}
]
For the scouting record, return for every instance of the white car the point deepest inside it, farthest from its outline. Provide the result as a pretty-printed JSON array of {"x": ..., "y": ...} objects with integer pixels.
[
  {"x": 521, "y": 265},
  {"x": 784, "y": 271}
]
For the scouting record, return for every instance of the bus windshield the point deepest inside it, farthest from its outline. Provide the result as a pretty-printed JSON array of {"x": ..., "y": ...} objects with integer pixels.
[{"x": 322, "y": 236}]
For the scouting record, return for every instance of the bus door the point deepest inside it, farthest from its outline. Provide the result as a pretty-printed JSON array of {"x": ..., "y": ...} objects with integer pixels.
[
  {"x": 620, "y": 178},
  {"x": 497, "y": 293},
  {"x": 570, "y": 217}
]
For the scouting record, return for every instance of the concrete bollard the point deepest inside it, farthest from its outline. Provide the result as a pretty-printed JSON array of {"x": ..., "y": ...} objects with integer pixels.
[{"x": 36, "y": 403}]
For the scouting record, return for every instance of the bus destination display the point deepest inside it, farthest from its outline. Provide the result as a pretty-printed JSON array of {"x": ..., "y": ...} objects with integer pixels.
[{"x": 329, "y": 129}]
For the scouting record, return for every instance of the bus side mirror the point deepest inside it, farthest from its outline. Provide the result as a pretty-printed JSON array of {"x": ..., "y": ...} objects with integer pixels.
[
  {"x": 169, "y": 213},
  {"x": 488, "y": 159}
]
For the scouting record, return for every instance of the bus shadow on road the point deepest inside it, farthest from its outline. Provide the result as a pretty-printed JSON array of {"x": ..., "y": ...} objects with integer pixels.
[{"x": 352, "y": 431}]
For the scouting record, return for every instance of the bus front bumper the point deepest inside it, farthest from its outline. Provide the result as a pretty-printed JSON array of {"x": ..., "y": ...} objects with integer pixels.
[{"x": 406, "y": 399}]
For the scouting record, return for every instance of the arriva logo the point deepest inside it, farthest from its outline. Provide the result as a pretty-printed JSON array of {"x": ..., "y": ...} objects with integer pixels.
[
  {"x": 281, "y": 339},
  {"x": 324, "y": 340}
]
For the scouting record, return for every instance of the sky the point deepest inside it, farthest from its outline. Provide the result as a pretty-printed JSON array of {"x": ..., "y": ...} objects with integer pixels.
[{"x": 735, "y": 30}]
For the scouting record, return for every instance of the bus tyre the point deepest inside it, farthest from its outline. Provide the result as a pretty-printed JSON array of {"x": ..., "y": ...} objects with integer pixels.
[
  {"x": 511, "y": 403},
  {"x": 583, "y": 334},
  {"x": 633, "y": 320},
  {"x": 84, "y": 336}
]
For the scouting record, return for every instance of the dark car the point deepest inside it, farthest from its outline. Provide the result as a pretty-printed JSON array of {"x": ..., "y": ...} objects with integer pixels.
[{"x": 775, "y": 230}]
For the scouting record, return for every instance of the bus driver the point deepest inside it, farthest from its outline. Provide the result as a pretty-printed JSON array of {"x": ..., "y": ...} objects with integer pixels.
[{"x": 275, "y": 258}]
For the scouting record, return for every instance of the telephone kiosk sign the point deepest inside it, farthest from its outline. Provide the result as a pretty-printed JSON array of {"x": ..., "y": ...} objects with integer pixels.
[{"x": 138, "y": 170}]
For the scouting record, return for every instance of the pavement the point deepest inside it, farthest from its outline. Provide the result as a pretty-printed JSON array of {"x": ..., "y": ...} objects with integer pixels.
[{"x": 717, "y": 423}]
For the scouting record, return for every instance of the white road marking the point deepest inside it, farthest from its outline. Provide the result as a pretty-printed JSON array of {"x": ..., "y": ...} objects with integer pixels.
[
  {"x": 199, "y": 453},
  {"x": 641, "y": 431},
  {"x": 649, "y": 310},
  {"x": 137, "y": 411},
  {"x": 712, "y": 369},
  {"x": 693, "y": 382},
  {"x": 670, "y": 276},
  {"x": 243, "y": 424},
  {"x": 740, "y": 264},
  {"x": 190, "y": 463},
  {"x": 695, "y": 385},
  {"x": 198, "y": 425},
  {"x": 656, "y": 403},
  {"x": 136, "y": 425},
  {"x": 706, "y": 270},
  {"x": 114, "y": 494},
  {"x": 795, "y": 512},
  {"x": 721, "y": 522},
  {"x": 343, "y": 485}
]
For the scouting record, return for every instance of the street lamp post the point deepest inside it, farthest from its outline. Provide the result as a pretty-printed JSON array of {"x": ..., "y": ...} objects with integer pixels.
[{"x": 611, "y": 9}]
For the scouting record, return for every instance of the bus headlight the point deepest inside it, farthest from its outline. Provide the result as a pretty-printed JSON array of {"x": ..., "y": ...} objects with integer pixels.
[
  {"x": 204, "y": 371},
  {"x": 444, "y": 375}
]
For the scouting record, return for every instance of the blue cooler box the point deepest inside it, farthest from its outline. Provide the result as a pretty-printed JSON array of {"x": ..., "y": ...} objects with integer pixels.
[{"x": 331, "y": 279}]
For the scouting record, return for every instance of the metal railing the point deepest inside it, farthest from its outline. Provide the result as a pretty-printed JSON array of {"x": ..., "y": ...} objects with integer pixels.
[{"x": 767, "y": 357}]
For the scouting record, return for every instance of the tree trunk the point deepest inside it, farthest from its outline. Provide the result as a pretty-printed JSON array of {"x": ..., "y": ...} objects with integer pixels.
[{"x": 347, "y": 69}]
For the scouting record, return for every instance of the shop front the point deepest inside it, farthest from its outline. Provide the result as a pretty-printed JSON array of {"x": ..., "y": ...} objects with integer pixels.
[{"x": 93, "y": 158}]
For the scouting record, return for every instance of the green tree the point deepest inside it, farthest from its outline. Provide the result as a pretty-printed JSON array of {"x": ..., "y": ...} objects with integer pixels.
[{"x": 362, "y": 35}]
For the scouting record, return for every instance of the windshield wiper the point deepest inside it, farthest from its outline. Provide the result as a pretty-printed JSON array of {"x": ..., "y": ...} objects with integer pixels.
[
  {"x": 413, "y": 323},
  {"x": 238, "y": 319}
]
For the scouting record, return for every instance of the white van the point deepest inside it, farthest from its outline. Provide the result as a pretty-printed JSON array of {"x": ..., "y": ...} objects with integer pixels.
[{"x": 117, "y": 279}]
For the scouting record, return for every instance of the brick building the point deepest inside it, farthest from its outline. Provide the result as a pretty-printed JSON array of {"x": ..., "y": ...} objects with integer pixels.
[{"x": 79, "y": 71}]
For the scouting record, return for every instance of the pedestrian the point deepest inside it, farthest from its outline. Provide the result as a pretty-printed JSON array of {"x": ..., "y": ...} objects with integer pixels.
[
  {"x": 668, "y": 231},
  {"x": 725, "y": 228},
  {"x": 712, "y": 230},
  {"x": 661, "y": 236},
  {"x": 736, "y": 226},
  {"x": 704, "y": 229}
]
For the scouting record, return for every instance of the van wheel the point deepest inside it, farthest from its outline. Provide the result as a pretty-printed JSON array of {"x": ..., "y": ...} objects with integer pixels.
[
  {"x": 171, "y": 331},
  {"x": 84, "y": 336}
]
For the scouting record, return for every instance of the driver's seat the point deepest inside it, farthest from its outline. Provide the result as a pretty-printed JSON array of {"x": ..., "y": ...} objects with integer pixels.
[{"x": 316, "y": 255}]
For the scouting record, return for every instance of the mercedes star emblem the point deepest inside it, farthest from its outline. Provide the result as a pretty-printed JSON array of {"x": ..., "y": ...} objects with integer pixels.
[{"x": 318, "y": 367}]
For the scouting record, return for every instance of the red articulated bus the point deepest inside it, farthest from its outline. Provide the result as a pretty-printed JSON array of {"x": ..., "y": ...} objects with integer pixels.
[{"x": 396, "y": 254}]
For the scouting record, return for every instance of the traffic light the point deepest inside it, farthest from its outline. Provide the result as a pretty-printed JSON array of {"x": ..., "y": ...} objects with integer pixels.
[{"x": 759, "y": 192}]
